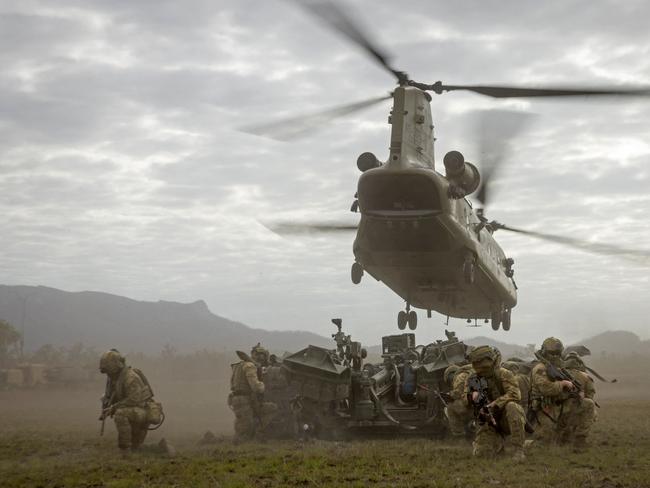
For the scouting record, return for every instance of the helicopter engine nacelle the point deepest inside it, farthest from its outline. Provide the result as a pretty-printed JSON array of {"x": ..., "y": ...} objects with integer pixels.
[
  {"x": 463, "y": 176},
  {"x": 367, "y": 161}
]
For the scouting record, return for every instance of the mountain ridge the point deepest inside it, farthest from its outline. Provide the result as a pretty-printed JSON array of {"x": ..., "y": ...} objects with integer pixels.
[{"x": 57, "y": 317}]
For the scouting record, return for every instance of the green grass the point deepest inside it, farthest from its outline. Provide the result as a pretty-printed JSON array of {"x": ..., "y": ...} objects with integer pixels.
[{"x": 619, "y": 457}]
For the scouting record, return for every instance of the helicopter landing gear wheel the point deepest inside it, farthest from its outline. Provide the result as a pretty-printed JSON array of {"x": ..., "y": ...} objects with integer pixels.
[
  {"x": 505, "y": 321},
  {"x": 402, "y": 319},
  {"x": 412, "y": 318},
  {"x": 469, "y": 269},
  {"x": 496, "y": 320},
  {"x": 356, "y": 273}
]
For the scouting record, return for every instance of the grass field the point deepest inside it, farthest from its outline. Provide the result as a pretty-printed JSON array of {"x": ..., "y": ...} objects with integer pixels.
[
  {"x": 50, "y": 439},
  {"x": 620, "y": 457}
]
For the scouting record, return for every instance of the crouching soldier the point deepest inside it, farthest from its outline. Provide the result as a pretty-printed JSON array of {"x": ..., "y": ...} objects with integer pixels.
[
  {"x": 494, "y": 393},
  {"x": 459, "y": 413},
  {"x": 252, "y": 414},
  {"x": 129, "y": 400},
  {"x": 558, "y": 401}
]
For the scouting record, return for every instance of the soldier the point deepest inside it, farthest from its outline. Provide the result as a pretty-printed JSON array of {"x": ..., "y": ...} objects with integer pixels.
[
  {"x": 260, "y": 356},
  {"x": 562, "y": 411},
  {"x": 576, "y": 367},
  {"x": 501, "y": 420},
  {"x": 252, "y": 415},
  {"x": 459, "y": 412},
  {"x": 129, "y": 400},
  {"x": 274, "y": 379},
  {"x": 278, "y": 391},
  {"x": 522, "y": 378}
]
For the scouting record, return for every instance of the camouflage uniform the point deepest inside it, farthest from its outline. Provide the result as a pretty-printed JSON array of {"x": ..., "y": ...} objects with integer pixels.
[
  {"x": 523, "y": 380},
  {"x": 504, "y": 395},
  {"x": 129, "y": 394},
  {"x": 576, "y": 367},
  {"x": 278, "y": 391},
  {"x": 561, "y": 414},
  {"x": 252, "y": 416},
  {"x": 574, "y": 364},
  {"x": 459, "y": 412}
]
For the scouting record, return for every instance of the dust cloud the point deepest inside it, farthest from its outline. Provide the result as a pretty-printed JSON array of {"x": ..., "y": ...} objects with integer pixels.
[{"x": 194, "y": 392}]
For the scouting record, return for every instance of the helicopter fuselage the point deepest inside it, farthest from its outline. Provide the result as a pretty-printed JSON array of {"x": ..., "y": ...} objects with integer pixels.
[{"x": 418, "y": 236}]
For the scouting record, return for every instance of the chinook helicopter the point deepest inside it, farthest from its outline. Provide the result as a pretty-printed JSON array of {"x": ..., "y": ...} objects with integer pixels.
[{"x": 418, "y": 231}]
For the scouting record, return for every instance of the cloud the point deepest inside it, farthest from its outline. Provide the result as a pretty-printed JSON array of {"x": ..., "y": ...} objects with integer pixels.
[{"x": 122, "y": 170}]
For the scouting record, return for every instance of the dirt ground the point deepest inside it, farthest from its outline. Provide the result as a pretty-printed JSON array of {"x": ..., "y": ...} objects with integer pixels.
[{"x": 50, "y": 438}]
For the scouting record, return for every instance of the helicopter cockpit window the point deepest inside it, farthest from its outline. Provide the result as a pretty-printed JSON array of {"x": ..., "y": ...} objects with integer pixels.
[{"x": 398, "y": 192}]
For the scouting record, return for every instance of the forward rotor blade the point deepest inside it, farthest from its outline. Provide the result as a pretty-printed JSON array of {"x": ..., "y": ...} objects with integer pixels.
[
  {"x": 519, "y": 92},
  {"x": 638, "y": 255},
  {"x": 496, "y": 129},
  {"x": 286, "y": 228},
  {"x": 294, "y": 127},
  {"x": 339, "y": 20}
]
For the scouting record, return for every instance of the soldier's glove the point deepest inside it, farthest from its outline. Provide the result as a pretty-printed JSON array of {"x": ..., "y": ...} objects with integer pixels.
[
  {"x": 108, "y": 412},
  {"x": 567, "y": 385}
]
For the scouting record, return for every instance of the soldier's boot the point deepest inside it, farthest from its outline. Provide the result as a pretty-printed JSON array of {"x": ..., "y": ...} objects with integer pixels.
[{"x": 580, "y": 443}]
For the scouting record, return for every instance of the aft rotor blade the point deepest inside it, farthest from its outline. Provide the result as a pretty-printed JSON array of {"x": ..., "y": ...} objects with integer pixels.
[
  {"x": 637, "y": 255},
  {"x": 520, "y": 92},
  {"x": 338, "y": 19},
  {"x": 294, "y": 127},
  {"x": 496, "y": 129},
  {"x": 292, "y": 228}
]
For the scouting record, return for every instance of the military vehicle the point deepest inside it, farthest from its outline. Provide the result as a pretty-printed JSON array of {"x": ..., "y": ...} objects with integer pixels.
[
  {"x": 418, "y": 232},
  {"x": 336, "y": 394}
]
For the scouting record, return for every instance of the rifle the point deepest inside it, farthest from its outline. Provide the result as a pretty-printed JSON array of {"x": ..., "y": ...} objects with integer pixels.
[
  {"x": 561, "y": 374},
  {"x": 482, "y": 412},
  {"x": 106, "y": 403}
]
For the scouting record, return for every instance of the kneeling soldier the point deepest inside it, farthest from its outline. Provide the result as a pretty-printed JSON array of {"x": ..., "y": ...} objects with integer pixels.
[
  {"x": 558, "y": 399},
  {"x": 129, "y": 400},
  {"x": 494, "y": 393},
  {"x": 459, "y": 413}
]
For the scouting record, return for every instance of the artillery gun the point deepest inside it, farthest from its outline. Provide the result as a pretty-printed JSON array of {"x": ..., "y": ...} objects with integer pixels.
[{"x": 338, "y": 395}]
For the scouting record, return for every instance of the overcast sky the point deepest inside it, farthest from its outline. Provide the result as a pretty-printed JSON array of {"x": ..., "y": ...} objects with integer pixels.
[{"x": 121, "y": 169}]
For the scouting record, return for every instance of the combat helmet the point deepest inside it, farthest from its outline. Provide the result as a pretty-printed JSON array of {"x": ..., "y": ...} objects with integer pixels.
[
  {"x": 512, "y": 366},
  {"x": 111, "y": 362},
  {"x": 574, "y": 361},
  {"x": 552, "y": 346},
  {"x": 484, "y": 359},
  {"x": 260, "y": 354}
]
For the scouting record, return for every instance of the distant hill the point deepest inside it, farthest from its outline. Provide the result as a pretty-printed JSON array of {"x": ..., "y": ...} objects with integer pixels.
[
  {"x": 617, "y": 342},
  {"x": 102, "y": 320}
]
